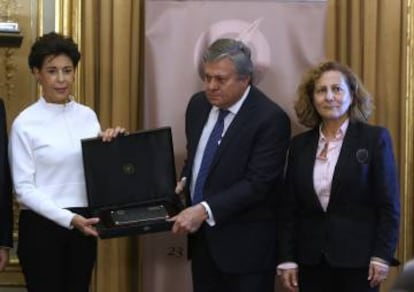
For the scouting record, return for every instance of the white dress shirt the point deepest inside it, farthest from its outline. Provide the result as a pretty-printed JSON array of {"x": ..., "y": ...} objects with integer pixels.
[
  {"x": 324, "y": 167},
  {"x": 208, "y": 128}
]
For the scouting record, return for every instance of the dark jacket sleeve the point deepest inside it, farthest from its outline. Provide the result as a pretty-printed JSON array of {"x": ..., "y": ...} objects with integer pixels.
[
  {"x": 387, "y": 197},
  {"x": 6, "y": 206}
]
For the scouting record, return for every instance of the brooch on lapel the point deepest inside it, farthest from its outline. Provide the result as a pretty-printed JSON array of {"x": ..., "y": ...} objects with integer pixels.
[{"x": 362, "y": 155}]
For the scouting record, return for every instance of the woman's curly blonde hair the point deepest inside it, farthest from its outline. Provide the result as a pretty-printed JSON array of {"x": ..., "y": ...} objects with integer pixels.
[{"x": 360, "y": 108}]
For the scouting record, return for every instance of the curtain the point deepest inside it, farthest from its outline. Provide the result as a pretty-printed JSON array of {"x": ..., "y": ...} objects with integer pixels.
[
  {"x": 366, "y": 35},
  {"x": 111, "y": 66},
  {"x": 371, "y": 37}
]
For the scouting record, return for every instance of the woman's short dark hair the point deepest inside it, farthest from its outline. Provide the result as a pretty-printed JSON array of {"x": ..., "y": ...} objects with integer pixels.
[
  {"x": 360, "y": 108},
  {"x": 53, "y": 44}
]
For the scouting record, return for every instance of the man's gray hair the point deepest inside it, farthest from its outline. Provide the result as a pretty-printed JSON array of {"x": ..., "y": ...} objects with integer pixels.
[{"x": 235, "y": 50}]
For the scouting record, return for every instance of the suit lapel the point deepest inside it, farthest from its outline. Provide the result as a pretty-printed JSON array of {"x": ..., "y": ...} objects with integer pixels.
[
  {"x": 308, "y": 164},
  {"x": 199, "y": 123},
  {"x": 203, "y": 111},
  {"x": 350, "y": 140}
]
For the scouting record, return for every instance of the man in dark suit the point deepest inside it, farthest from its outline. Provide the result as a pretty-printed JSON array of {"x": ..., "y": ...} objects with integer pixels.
[
  {"x": 6, "y": 207},
  {"x": 233, "y": 192}
]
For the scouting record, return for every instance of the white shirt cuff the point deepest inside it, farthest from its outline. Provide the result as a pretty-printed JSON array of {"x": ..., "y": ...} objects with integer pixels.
[
  {"x": 210, "y": 219},
  {"x": 379, "y": 262},
  {"x": 287, "y": 266}
]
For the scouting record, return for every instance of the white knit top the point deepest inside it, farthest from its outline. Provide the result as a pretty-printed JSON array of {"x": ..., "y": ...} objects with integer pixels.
[{"x": 46, "y": 158}]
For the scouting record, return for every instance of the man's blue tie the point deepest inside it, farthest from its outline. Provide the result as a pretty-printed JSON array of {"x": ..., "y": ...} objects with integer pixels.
[{"x": 208, "y": 155}]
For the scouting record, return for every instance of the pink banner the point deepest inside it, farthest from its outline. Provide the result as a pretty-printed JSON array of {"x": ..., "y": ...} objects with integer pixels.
[{"x": 286, "y": 37}]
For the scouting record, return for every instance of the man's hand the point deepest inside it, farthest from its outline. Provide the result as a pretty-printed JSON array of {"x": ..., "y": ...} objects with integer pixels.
[
  {"x": 85, "y": 225},
  {"x": 4, "y": 257},
  {"x": 377, "y": 274},
  {"x": 289, "y": 279},
  {"x": 189, "y": 220}
]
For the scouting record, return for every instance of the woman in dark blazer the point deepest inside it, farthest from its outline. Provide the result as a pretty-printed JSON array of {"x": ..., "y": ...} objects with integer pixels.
[{"x": 340, "y": 215}]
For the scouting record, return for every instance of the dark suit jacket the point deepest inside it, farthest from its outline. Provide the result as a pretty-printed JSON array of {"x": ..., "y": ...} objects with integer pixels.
[
  {"x": 6, "y": 207},
  {"x": 362, "y": 217},
  {"x": 241, "y": 185}
]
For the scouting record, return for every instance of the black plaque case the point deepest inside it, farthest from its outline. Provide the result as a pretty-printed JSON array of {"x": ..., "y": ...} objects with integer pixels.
[{"x": 133, "y": 176}]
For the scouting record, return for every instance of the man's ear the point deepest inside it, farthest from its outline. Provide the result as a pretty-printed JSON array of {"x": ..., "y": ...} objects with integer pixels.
[{"x": 246, "y": 80}]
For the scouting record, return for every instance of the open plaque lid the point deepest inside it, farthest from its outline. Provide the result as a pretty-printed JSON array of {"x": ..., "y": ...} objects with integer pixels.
[{"x": 130, "y": 182}]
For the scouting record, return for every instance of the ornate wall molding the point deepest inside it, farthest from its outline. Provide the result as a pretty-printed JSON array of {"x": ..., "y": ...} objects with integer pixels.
[
  {"x": 8, "y": 12},
  {"x": 9, "y": 9},
  {"x": 8, "y": 79}
]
